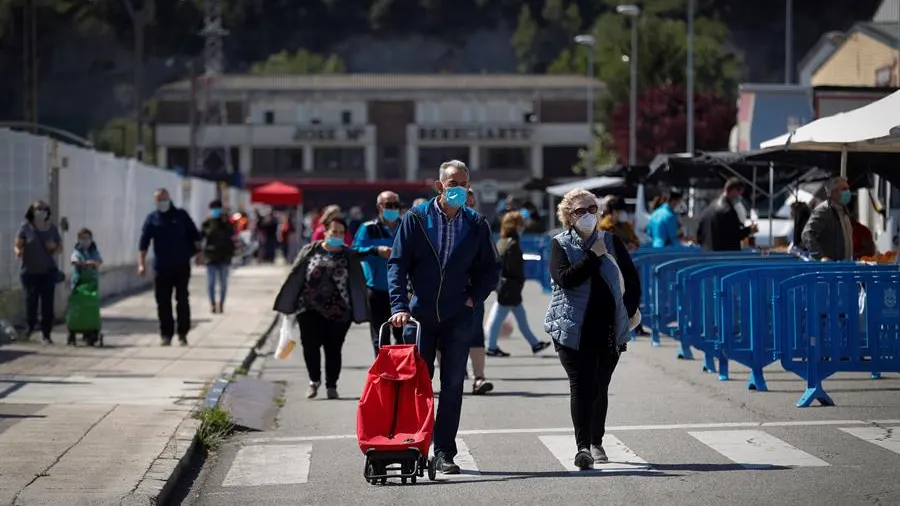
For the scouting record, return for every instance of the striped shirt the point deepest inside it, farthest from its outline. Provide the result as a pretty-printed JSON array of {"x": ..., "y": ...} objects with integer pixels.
[{"x": 448, "y": 231}]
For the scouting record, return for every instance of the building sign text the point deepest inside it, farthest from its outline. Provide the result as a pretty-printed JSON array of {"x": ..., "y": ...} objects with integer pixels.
[
  {"x": 329, "y": 134},
  {"x": 476, "y": 133}
]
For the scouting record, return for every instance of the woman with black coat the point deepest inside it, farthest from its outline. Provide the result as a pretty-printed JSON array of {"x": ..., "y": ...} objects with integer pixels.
[{"x": 509, "y": 291}]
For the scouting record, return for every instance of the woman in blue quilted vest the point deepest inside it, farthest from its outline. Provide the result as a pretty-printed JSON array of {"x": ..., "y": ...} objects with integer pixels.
[{"x": 593, "y": 308}]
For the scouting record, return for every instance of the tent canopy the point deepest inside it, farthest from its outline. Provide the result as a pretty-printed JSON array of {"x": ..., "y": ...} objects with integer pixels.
[
  {"x": 594, "y": 183},
  {"x": 277, "y": 193},
  {"x": 865, "y": 129}
]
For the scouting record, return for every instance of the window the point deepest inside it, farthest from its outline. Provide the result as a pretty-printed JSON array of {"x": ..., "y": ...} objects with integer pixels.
[
  {"x": 884, "y": 76},
  {"x": 269, "y": 161},
  {"x": 269, "y": 117},
  {"x": 430, "y": 159},
  {"x": 301, "y": 115},
  {"x": 346, "y": 117},
  {"x": 339, "y": 160},
  {"x": 466, "y": 114},
  {"x": 391, "y": 153},
  {"x": 508, "y": 158}
]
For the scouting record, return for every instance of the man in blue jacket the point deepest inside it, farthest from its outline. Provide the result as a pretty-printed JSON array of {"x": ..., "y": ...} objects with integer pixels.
[
  {"x": 175, "y": 241},
  {"x": 442, "y": 245},
  {"x": 374, "y": 233}
]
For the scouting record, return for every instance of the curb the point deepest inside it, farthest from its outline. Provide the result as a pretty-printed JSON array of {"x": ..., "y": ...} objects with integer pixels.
[{"x": 161, "y": 480}]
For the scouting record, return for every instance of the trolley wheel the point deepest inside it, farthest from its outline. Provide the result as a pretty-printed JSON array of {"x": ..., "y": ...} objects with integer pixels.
[
  {"x": 403, "y": 480},
  {"x": 384, "y": 481},
  {"x": 368, "y": 471},
  {"x": 412, "y": 479},
  {"x": 100, "y": 339},
  {"x": 423, "y": 463},
  {"x": 432, "y": 470}
]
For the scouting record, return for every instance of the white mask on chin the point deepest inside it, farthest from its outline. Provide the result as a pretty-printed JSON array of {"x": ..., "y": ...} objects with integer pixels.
[{"x": 586, "y": 223}]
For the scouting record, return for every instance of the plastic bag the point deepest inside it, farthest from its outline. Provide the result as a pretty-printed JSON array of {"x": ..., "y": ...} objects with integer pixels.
[{"x": 288, "y": 336}]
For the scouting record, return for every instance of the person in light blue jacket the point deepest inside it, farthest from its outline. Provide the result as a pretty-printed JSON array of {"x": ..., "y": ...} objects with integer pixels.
[{"x": 663, "y": 224}]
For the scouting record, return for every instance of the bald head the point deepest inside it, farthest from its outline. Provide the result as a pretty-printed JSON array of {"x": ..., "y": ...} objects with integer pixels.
[
  {"x": 388, "y": 204},
  {"x": 387, "y": 196}
]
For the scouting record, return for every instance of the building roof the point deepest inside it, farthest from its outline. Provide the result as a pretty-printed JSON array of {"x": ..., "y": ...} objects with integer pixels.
[
  {"x": 393, "y": 82},
  {"x": 888, "y": 12},
  {"x": 885, "y": 31},
  {"x": 828, "y": 43}
]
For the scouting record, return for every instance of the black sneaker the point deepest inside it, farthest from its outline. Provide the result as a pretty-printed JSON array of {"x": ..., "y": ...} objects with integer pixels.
[
  {"x": 71, "y": 341},
  {"x": 584, "y": 460},
  {"x": 445, "y": 465},
  {"x": 496, "y": 352},
  {"x": 47, "y": 339},
  {"x": 183, "y": 340},
  {"x": 165, "y": 341},
  {"x": 539, "y": 347},
  {"x": 481, "y": 386}
]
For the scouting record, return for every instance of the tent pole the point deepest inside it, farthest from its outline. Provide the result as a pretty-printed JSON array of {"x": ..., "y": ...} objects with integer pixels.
[
  {"x": 771, "y": 202},
  {"x": 844, "y": 161}
]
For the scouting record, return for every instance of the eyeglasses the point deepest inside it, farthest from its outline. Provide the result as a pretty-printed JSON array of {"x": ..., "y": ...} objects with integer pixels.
[
  {"x": 581, "y": 211},
  {"x": 391, "y": 205}
]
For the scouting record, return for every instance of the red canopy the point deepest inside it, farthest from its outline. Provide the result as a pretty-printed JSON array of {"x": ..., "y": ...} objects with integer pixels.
[{"x": 278, "y": 194}]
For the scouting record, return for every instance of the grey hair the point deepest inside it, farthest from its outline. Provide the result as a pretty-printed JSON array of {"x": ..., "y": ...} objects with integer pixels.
[{"x": 454, "y": 164}]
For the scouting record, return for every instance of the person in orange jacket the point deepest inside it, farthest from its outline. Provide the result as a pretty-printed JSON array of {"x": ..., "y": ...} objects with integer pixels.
[{"x": 615, "y": 221}]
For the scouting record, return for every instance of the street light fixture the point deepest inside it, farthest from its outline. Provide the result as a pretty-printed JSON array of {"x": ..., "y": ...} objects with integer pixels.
[
  {"x": 589, "y": 41},
  {"x": 632, "y": 11}
]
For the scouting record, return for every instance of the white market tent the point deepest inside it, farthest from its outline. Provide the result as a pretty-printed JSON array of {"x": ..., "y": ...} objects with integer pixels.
[
  {"x": 594, "y": 183},
  {"x": 872, "y": 128}
]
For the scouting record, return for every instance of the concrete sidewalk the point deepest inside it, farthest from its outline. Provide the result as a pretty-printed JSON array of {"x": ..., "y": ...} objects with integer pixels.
[{"x": 98, "y": 426}]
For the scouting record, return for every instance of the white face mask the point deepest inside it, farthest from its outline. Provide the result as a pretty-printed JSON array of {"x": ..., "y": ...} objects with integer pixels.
[
  {"x": 623, "y": 217},
  {"x": 163, "y": 205},
  {"x": 586, "y": 223}
]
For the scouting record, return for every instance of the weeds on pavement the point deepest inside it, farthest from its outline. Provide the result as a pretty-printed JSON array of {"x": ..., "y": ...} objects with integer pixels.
[{"x": 215, "y": 425}]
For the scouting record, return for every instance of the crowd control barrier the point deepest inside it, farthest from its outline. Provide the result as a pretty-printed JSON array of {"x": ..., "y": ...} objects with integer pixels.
[
  {"x": 821, "y": 332},
  {"x": 664, "y": 291}
]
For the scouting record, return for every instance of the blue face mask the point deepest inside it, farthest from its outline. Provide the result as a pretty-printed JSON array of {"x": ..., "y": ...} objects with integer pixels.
[
  {"x": 334, "y": 242},
  {"x": 525, "y": 213},
  {"x": 390, "y": 215},
  {"x": 845, "y": 197},
  {"x": 455, "y": 196},
  {"x": 215, "y": 213}
]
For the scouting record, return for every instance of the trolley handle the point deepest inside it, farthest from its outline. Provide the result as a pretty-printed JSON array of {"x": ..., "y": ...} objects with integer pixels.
[{"x": 411, "y": 321}]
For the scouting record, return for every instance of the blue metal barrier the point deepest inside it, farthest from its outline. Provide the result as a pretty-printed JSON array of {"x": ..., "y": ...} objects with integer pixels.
[
  {"x": 663, "y": 307},
  {"x": 699, "y": 304},
  {"x": 751, "y": 340},
  {"x": 820, "y": 330}
]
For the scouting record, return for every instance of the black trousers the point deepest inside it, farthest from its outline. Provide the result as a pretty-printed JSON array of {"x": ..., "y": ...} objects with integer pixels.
[
  {"x": 167, "y": 281},
  {"x": 590, "y": 369},
  {"x": 39, "y": 289},
  {"x": 318, "y": 332},
  {"x": 380, "y": 307}
]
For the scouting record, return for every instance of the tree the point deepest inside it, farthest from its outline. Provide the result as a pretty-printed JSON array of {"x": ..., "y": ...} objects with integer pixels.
[
  {"x": 662, "y": 123},
  {"x": 537, "y": 43},
  {"x": 300, "y": 63},
  {"x": 523, "y": 39},
  {"x": 600, "y": 156}
]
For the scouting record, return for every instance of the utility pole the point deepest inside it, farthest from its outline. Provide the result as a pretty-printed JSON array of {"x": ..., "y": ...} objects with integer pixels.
[
  {"x": 690, "y": 77},
  {"x": 192, "y": 117},
  {"x": 30, "y": 64},
  {"x": 140, "y": 18},
  {"x": 213, "y": 114}
]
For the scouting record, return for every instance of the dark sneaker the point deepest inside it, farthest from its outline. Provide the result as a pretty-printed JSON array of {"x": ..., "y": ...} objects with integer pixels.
[
  {"x": 165, "y": 341},
  {"x": 182, "y": 340},
  {"x": 213, "y": 308},
  {"x": 331, "y": 393},
  {"x": 539, "y": 347},
  {"x": 481, "y": 386},
  {"x": 221, "y": 307},
  {"x": 445, "y": 465},
  {"x": 496, "y": 352},
  {"x": 584, "y": 460},
  {"x": 599, "y": 454},
  {"x": 312, "y": 390},
  {"x": 47, "y": 340},
  {"x": 71, "y": 341}
]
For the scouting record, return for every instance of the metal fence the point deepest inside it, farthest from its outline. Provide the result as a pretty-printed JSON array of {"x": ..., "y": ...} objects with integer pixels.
[{"x": 86, "y": 188}]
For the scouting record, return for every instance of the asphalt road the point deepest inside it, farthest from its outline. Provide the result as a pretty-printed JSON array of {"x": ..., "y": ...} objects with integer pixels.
[{"x": 676, "y": 436}]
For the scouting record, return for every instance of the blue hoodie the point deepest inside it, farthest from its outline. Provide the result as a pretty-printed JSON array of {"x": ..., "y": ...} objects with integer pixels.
[{"x": 441, "y": 293}]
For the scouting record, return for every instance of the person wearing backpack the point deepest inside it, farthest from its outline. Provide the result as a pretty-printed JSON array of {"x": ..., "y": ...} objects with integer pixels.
[{"x": 217, "y": 234}]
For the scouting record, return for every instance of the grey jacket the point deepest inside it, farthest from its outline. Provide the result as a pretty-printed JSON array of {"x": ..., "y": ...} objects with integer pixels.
[
  {"x": 823, "y": 234},
  {"x": 565, "y": 313},
  {"x": 286, "y": 301}
]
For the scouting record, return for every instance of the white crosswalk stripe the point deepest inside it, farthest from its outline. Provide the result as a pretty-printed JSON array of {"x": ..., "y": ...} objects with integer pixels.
[
  {"x": 282, "y": 463},
  {"x": 621, "y": 458},
  {"x": 889, "y": 439},
  {"x": 756, "y": 449}
]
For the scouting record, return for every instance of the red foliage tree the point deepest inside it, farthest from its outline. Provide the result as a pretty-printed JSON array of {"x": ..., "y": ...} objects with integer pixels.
[{"x": 662, "y": 123}]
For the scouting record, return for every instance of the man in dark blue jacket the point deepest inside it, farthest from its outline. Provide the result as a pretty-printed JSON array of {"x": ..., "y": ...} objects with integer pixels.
[
  {"x": 175, "y": 241},
  {"x": 379, "y": 232},
  {"x": 442, "y": 245}
]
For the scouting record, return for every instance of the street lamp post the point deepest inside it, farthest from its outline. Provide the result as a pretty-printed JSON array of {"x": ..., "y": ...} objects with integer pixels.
[
  {"x": 632, "y": 11},
  {"x": 141, "y": 17},
  {"x": 690, "y": 77},
  {"x": 589, "y": 41}
]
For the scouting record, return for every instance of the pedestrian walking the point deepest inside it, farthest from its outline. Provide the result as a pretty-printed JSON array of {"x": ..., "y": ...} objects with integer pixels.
[
  {"x": 720, "y": 227},
  {"x": 593, "y": 307},
  {"x": 509, "y": 290},
  {"x": 217, "y": 235},
  {"x": 446, "y": 250},
  {"x": 326, "y": 290},
  {"x": 374, "y": 233},
  {"x": 615, "y": 220},
  {"x": 480, "y": 384},
  {"x": 176, "y": 241},
  {"x": 662, "y": 226},
  {"x": 37, "y": 245},
  {"x": 330, "y": 212}
]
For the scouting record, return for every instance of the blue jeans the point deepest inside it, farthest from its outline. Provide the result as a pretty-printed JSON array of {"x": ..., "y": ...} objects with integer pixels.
[
  {"x": 495, "y": 322},
  {"x": 217, "y": 272},
  {"x": 452, "y": 338}
]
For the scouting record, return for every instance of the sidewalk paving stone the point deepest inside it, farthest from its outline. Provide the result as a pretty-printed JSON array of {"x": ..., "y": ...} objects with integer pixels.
[{"x": 110, "y": 425}]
